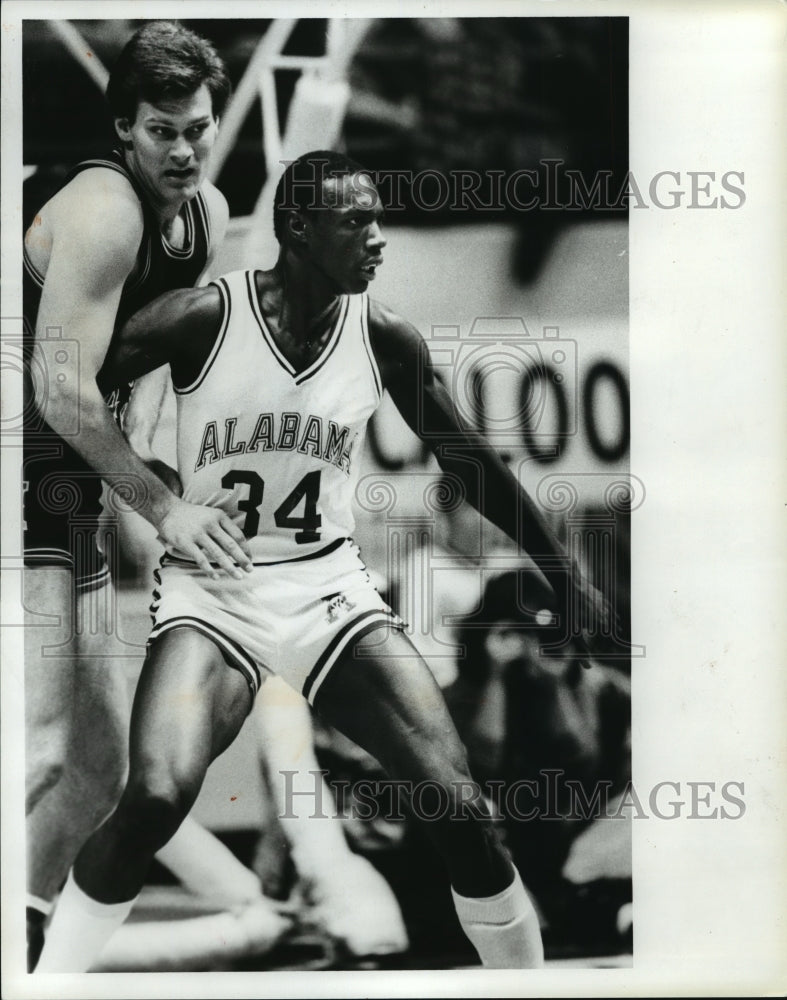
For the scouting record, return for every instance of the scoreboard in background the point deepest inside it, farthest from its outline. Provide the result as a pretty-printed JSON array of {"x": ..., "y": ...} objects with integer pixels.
[
  {"x": 536, "y": 397},
  {"x": 541, "y": 369}
]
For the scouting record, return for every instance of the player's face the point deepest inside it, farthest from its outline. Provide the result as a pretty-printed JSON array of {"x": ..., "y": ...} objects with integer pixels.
[
  {"x": 170, "y": 145},
  {"x": 346, "y": 240}
]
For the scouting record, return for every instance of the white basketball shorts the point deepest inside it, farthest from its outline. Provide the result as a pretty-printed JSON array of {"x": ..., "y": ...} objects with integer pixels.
[{"x": 293, "y": 618}]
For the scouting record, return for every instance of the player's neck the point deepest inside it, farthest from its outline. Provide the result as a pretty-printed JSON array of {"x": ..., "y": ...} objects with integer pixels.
[{"x": 307, "y": 296}]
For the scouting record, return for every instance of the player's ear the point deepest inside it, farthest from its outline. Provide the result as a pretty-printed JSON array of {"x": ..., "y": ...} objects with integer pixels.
[
  {"x": 296, "y": 227},
  {"x": 123, "y": 129}
]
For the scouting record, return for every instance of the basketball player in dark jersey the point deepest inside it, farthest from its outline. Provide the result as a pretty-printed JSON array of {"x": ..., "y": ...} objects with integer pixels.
[{"x": 119, "y": 233}]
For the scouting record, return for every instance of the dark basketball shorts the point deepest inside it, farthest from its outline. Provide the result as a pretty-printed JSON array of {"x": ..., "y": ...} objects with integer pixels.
[{"x": 62, "y": 506}]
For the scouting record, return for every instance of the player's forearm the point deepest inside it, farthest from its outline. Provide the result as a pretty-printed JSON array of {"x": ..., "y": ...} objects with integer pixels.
[
  {"x": 495, "y": 493},
  {"x": 99, "y": 441},
  {"x": 143, "y": 412}
]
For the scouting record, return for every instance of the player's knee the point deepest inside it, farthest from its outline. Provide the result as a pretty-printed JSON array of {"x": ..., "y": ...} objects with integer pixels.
[
  {"x": 105, "y": 787},
  {"x": 105, "y": 769},
  {"x": 46, "y": 760},
  {"x": 154, "y": 805},
  {"x": 42, "y": 777},
  {"x": 148, "y": 819}
]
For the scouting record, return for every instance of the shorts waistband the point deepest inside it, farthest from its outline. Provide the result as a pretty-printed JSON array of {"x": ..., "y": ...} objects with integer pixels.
[{"x": 169, "y": 560}]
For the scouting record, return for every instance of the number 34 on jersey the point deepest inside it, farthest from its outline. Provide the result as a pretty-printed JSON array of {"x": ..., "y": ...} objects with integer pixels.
[{"x": 307, "y": 491}]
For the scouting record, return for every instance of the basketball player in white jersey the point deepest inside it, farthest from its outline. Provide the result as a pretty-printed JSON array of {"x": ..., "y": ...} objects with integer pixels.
[{"x": 276, "y": 375}]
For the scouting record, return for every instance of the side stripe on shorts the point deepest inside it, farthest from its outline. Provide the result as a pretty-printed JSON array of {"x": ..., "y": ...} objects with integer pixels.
[
  {"x": 84, "y": 580},
  {"x": 95, "y": 581},
  {"x": 235, "y": 653},
  {"x": 48, "y": 557},
  {"x": 352, "y": 631}
]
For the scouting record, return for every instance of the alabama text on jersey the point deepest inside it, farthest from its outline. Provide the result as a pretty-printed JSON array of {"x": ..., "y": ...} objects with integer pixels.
[{"x": 278, "y": 449}]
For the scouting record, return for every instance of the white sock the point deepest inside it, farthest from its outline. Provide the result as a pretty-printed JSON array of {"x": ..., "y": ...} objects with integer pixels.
[
  {"x": 503, "y": 928},
  {"x": 79, "y": 929},
  {"x": 37, "y": 903}
]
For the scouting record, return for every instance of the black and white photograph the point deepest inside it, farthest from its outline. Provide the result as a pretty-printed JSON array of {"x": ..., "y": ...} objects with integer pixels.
[{"x": 472, "y": 320}]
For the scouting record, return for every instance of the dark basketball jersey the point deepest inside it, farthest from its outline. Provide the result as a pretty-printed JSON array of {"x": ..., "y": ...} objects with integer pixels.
[
  {"x": 60, "y": 488},
  {"x": 160, "y": 267}
]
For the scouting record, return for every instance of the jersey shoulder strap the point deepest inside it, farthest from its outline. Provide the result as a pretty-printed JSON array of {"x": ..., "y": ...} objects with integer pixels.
[
  {"x": 113, "y": 161},
  {"x": 231, "y": 289}
]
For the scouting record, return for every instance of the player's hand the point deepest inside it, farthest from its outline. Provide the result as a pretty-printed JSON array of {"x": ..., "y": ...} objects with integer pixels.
[
  {"x": 167, "y": 475},
  {"x": 590, "y": 614},
  {"x": 207, "y": 536},
  {"x": 595, "y": 610}
]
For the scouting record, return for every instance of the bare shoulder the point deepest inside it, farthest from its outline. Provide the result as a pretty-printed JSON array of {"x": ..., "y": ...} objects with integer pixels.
[
  {"x": 217, "y": 203},
  {"x": 201, "y": 305},
  {"x": 188, "y": 323},
  {"x": 183, "y": 312},
  {"x": 395, "y": 341},
  {"x": 93, "y": 225},
  {"x": 179, "y": 327},
  {"x": 98, "y": 205},
  {"x": 86, "y": 239}
]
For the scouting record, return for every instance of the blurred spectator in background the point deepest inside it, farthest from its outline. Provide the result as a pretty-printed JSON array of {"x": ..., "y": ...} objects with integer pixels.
[
  {"x": 526, "y": 712},
  {"x": 442, "y": 93}
]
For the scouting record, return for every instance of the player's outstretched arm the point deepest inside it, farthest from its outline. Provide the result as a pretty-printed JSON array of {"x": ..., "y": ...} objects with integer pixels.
[{"x": 489, "y": 485}]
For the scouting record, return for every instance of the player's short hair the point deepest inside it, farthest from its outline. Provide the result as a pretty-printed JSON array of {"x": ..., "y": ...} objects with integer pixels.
[
  {"x": 300, "y": 187},
  {"x": 164, "y": 60}
]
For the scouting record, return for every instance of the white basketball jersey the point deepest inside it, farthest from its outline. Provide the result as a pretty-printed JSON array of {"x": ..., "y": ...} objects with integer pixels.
[{"x": 278, "y": 450}]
